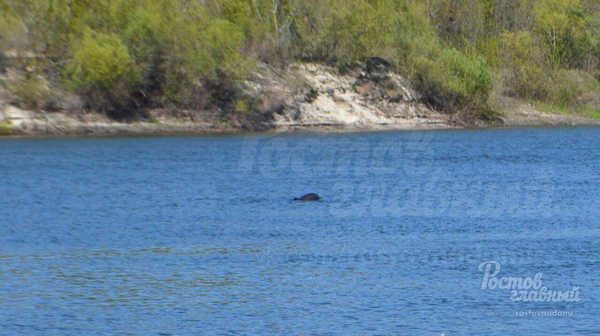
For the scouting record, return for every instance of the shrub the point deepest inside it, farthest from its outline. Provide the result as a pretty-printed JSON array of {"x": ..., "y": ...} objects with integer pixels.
[
  {"x": 6, "y": 129},
  {"x": 142, "y": 38},
  {"x": 562, "y": 26},
  {"x": 527, "y": 73},
  {"x": 454, "y": 81},
  {"x": 351, "y": 34},
  {"x": 413, "y": 38},
  {"x": 220, "y": 56},
  {"x": 571, "y": 85},
  {"x": 204, "y": 60},
  {"x": 102, "y": 68},
  {"x": 447, "y": 78},
  {"x": 243, "y": 106}
]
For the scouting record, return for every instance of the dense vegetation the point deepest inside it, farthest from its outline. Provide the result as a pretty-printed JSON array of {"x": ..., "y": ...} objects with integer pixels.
[{"x": 126, "y": 55}]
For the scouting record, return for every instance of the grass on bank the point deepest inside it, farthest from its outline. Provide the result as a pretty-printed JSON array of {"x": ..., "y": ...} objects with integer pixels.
[
  {"x": 588, "y": 111},
  {"x": 6, "y": 129}
]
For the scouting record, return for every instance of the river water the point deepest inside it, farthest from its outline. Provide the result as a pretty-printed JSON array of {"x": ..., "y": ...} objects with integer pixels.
[{"x": 199, "y": 235}]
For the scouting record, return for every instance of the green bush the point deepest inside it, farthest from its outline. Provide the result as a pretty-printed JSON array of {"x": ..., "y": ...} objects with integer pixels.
[
  {"x": 562, "y": 26},
  {"x": 454, "y": 81},
  {"x": 243, "y": 106},
  {"x": 351, "y": 34},
  {"x": 209, "y": 59},
  {"x": 571, "y": 85},
  {"x": 413, "y": 39},
  {"x": 102, "y": 68},
  {"x": 142, "y": 37},
  {"x": 527, "y": 73},
  {"x": 220, "y": 56},
  {"x": 6, "y": 129}
]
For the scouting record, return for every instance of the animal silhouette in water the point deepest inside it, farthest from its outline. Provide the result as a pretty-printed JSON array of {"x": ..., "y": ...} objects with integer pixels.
[{"x": 309, "y": 197}]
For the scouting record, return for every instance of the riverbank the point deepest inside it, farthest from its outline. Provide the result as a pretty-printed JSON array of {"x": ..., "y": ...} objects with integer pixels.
[
  {"x": 56, "y": 124},
  {"x": 303, "y": 97},
  {"x": 14, "y": 121},
  {"x": 41, "y": 128}
]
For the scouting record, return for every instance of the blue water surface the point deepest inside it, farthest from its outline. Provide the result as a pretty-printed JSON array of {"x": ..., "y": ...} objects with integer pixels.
[{"x": 200, "y": 236}]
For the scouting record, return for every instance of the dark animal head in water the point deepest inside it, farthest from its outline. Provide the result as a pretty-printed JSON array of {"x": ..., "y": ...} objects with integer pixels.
[{"x": 309, "y": 197}]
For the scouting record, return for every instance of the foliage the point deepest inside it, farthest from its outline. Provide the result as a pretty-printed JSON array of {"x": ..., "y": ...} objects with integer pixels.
[
  {"x": 454, "y": 81},
  {"x": 524, "y": 63},
  {"x": 100, "y": 60},
  {"x": 31, "y": 91},
  {"x": 134, "y": 54},
  {"x": 6, "y": 129},
  {"x": 220, "y": 57},
  {"x": 101, "y": 65}
]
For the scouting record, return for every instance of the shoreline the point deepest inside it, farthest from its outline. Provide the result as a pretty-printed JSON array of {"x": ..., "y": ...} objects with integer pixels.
[
  {"x": 166, "y": 130},
  {"x": 142, "y": 130},
  {"x": 57, "y": 125}
]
